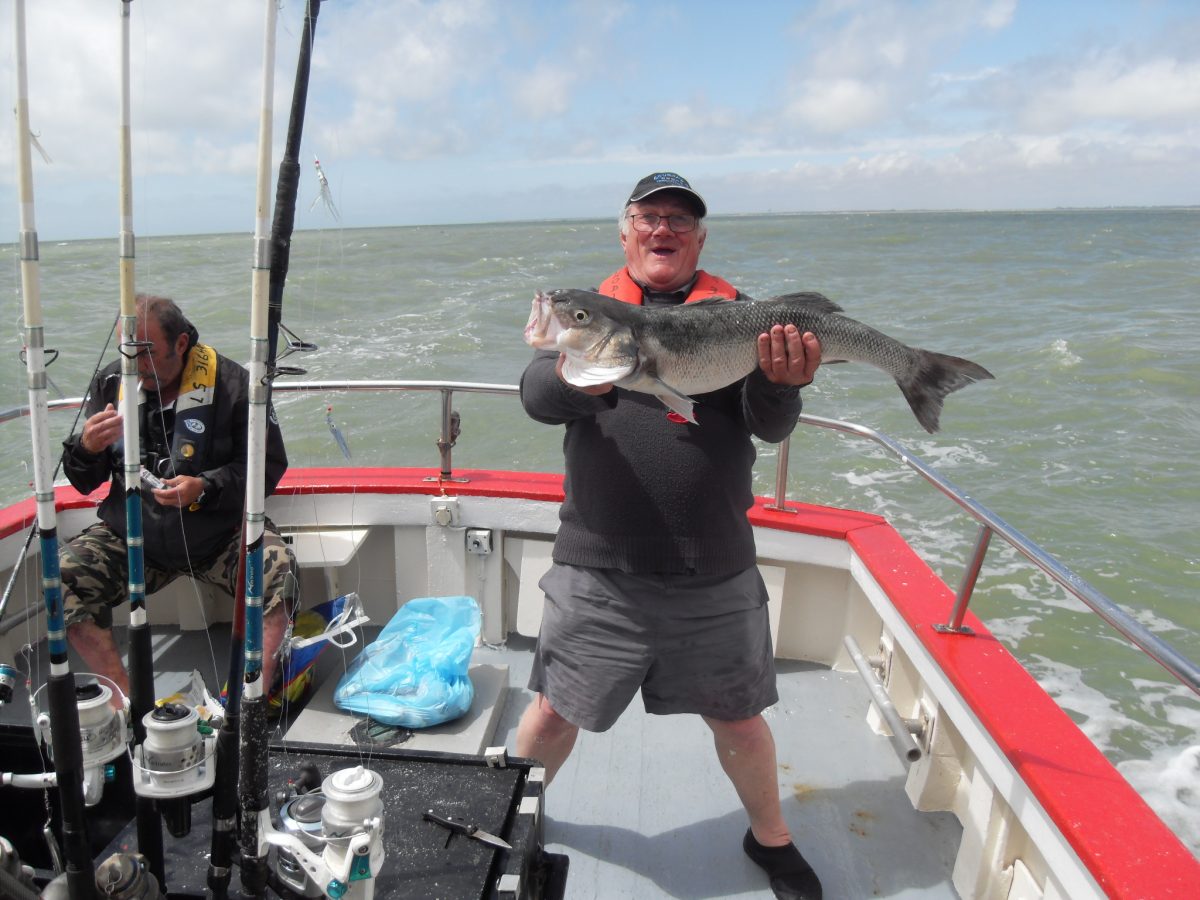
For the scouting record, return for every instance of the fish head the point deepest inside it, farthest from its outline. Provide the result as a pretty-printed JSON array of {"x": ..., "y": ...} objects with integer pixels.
[{"x": 589, "y": 329}]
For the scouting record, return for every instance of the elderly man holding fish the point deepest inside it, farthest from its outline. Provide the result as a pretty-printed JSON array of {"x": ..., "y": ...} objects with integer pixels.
[{"x": 654, "y": 584}]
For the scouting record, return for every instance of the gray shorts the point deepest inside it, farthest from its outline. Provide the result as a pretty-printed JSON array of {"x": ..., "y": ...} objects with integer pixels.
[
  {"x": 95, "y": 573},
  {"x": 693, "y": 644}
]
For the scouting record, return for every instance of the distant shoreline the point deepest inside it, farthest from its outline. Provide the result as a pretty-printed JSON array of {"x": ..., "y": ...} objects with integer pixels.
[{"x": 1188, "y": 208}]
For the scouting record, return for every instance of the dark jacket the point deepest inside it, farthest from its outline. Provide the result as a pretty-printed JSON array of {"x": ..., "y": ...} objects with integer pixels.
[
  {"x": 173, "y": 537},
  {"x": 648, "y": 494}
]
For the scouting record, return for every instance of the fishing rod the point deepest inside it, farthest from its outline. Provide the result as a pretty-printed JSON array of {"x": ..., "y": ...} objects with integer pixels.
[
  {"x": 347, "y": 855},
  {"x": 225, "y": 791},
  {"x": 252, "y": 744},
  {"x": 32, "y": 533},
  {"x": 344, "y": 859},
  {"x": 65, "y": 741},
  {"x": 141, "y": 663},
  {"x": 286, "y": 189}
]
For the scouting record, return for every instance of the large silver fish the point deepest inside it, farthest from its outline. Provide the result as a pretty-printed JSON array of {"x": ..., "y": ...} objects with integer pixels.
[{"x": 677, "y": 351}]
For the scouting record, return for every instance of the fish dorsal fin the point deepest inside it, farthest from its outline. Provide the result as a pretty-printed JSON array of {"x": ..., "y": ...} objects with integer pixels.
[
  {"x": 818, "y": 302},
  {"x": 580, "y": 374}
]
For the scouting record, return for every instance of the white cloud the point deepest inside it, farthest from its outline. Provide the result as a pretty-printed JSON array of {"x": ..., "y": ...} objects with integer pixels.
[
  {"x": 700, "y": 119},
  {"x": 869, "y": 64},
  {"x": 999, "y": 14},
  {"x": 838, "y": 105},
  {"x": 1110, "y": 89},
  {"x": 864, "y": 103},
  {"x": 544, "y": 92}
]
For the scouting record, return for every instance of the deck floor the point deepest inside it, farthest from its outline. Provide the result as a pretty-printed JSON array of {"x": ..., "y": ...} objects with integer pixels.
[{"x": 645, "y": 811}]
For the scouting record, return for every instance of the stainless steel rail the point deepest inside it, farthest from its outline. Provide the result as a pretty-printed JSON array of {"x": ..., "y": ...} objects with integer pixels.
[
  {"x": 449, "y": 418},
  {"x": 449, "y": 426},
  {"x": 1153, "y": 646},
  {"x": 1187, "y": 671},
  {"x": 901, "y": 735}
]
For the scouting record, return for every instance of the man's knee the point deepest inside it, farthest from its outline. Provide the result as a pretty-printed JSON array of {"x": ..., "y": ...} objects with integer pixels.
[
  {"x": 84, "y": 630},
  {"x": 77, "y": 612},
  {"x": 546, "y": 719},
  {"x": 740, "y": 731}
]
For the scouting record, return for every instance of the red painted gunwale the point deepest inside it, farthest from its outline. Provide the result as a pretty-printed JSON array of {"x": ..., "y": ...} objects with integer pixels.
[{"x": 1129, "y": 851}]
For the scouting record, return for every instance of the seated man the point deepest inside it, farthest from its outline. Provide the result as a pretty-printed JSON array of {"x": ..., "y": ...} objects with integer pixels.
[{"x": 192, "y": 525}]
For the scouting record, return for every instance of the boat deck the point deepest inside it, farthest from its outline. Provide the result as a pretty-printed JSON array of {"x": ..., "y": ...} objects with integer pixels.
[{"x": 644, "y": 810}]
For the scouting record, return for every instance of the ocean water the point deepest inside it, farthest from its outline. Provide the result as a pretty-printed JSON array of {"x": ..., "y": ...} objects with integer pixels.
[{"x": 1085, "y": 441}]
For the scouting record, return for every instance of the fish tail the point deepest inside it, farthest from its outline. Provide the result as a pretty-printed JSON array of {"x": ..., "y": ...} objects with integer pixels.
[{"x": 933, "y": 376}]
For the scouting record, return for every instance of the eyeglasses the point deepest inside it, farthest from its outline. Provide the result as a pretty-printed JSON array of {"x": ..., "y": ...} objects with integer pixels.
[{"x": 648, "y": 222}]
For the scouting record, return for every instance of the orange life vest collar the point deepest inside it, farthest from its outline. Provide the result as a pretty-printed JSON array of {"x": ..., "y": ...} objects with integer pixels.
[{"x": 620, "y": 284}]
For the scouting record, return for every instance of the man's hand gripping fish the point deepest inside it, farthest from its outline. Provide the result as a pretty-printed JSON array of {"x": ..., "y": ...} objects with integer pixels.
[{"x": 676, "y": 352}]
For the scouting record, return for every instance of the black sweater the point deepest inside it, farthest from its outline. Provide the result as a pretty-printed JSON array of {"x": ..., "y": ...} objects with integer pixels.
[
  {"x": 647, "y": 494},
  {"x": 174, "y": 536}
]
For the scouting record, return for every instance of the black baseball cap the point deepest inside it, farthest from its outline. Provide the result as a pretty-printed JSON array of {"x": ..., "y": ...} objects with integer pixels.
[{"x": 665, "y": 181}]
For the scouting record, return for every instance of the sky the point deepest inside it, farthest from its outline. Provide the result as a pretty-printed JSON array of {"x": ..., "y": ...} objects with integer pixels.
[{"x": 437, "y": 112}]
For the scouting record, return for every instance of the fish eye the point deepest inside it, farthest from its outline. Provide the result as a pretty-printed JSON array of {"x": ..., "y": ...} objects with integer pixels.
[{"x": 580, "y": 316}]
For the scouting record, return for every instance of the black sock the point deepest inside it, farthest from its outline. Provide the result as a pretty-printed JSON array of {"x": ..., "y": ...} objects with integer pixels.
[{"x": 792, "y": 878}]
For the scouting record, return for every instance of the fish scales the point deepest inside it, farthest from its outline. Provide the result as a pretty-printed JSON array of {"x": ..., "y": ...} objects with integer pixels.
[
  {"x": 675, "y": 352},
  {"x": 702, "y": 347}
]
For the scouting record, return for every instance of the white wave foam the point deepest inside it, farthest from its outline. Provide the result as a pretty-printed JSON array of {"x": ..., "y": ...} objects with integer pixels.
[
  {"x": 949, "y": 456},
  {"x": 1063, "y": 354},
  {"x": 866, "y": 479},
  {"x": 1170, "y": 782},
  {"x": 1012, "y": 631},
  {"x": 1100, "y": 714}
]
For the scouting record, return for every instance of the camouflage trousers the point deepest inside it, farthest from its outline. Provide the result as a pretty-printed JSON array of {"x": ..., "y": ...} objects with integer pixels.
[{"x": 95, "y": 573}]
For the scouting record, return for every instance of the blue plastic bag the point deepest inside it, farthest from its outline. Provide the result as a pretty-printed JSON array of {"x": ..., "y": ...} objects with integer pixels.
[{"x": 415, "y": 673}]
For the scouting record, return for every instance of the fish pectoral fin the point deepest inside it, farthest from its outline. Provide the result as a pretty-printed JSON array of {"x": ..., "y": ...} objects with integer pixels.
[
  {"x": 673, "y": 400},
  {"x": 580, "y": 374}
]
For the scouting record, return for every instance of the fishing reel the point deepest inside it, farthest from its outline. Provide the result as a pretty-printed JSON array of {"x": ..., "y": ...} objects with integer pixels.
[
  {"x": 8, "y": 681},
  {"x": 14, "y": 876},
  {"x": 104, "y": 733},
  {"x": 174, "y": 762},
  {"x": 329, "y": 842},
  {"x": 123, "y": 876}
]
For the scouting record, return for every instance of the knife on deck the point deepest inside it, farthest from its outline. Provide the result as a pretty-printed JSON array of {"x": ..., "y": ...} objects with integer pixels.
[{"x": 457, "y": 826}]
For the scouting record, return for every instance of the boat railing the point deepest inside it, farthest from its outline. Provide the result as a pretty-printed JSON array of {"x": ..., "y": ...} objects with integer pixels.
[{"x": 990, "y": 524}]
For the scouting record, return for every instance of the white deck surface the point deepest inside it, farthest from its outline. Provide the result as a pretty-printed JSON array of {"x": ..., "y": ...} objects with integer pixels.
[{"x": 644, "y": 810}]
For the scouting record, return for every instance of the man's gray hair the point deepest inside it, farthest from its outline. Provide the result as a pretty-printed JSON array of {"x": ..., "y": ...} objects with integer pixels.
[{"x": 168, "y": 315}]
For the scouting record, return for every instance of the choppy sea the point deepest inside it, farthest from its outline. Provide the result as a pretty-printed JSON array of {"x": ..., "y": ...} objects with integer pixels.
[{"x": 1085, "y": 441}]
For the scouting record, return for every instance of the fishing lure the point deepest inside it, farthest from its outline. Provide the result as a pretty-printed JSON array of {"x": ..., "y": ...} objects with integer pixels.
[
  {"x": 337, "y": 432},
  {"x": 325, "y": 195}
]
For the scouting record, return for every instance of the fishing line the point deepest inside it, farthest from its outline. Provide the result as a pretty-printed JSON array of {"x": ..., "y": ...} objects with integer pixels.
[
  {"x": 195, "y": 589},
  {"x": 52, "y": 847},
  {"x": 367, "y": 757}
]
